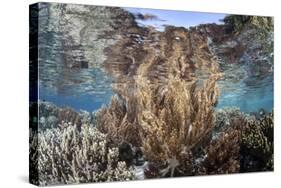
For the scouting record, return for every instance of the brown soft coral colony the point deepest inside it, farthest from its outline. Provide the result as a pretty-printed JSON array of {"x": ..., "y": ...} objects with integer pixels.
[
  {"x": 172, "y": 128},
  {"x": 165, "y": 102},
  {"x": 166, "y": 107},
  {"x": 222, "y": 155}
]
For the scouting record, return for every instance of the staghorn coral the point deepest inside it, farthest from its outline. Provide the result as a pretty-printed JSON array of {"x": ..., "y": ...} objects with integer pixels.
[
  {"x": 257, "y": 145},
  {"x": 68, "y": 155}
]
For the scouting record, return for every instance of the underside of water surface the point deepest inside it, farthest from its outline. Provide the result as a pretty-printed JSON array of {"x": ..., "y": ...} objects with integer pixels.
[
  {"x": 72, "y": 57},
  {"x": 161, "y": 93}
]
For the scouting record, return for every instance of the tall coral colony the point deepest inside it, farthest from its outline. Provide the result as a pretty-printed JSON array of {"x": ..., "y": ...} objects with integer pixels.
[{"x": 119, "y": 94}]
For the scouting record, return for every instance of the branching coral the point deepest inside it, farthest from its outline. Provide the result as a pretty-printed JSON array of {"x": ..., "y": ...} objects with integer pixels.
[
  {"x": 257, "y": 145},
  {"x": 70, "y": 156},
  {"x": 50, "y": 115},
  {"x": 33, "y": 156}
]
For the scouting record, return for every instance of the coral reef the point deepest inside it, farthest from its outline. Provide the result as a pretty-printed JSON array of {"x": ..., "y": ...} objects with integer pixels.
[
  {"x": 143, "y": 73},
  {"x": 257, "y": 145},
  {"x": 161, "y": 120},
  {"x": 165, "y": 101},
  {"x": 116, "y": 122},
  {"x": 68, "y": 155},
  {"x": 50, "y": 116},
  {"x": 166, "y": 121},
  {"x": 224, "y": 118},
  {"x": 33, "y": 156},
  {"x": 222, "y": 154},
  {"x": 172, "y": 128}
]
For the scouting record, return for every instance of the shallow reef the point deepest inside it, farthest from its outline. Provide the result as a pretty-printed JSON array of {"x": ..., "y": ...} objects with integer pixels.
[
  {"x": 163, "y": 118},
  {"x": 257, "y": 145},
  {"x": 67, "y": 155}
]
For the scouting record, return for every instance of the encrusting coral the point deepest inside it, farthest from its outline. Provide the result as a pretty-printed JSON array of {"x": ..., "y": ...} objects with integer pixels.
[{"x": 68, "y": 155}]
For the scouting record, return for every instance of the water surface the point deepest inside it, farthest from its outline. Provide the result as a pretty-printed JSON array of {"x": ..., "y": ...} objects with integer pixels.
[{"x": 71, "y": 72}]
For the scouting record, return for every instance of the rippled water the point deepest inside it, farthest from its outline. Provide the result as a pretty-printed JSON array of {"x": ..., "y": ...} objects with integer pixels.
[
  {"x": 77, "y": 86},
  {"x": 71, "y": 56},
  {"x": 71, "y": 72},
  {"x": 250, "y": 95}
]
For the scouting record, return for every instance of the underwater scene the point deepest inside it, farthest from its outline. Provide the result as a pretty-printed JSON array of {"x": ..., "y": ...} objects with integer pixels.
[{"x": 121, "y": 94}]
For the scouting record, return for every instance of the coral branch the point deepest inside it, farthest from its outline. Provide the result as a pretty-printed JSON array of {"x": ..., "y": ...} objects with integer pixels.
[{"x": 71, "y": 156}]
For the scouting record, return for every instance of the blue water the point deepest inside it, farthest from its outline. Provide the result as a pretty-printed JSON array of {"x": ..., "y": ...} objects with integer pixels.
[
  {"x": 249, "y": 98},
  {"x": 88, "y": 102},
  {"x": 92, "y": 92},
  {"x": 250, "y": 95}
]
